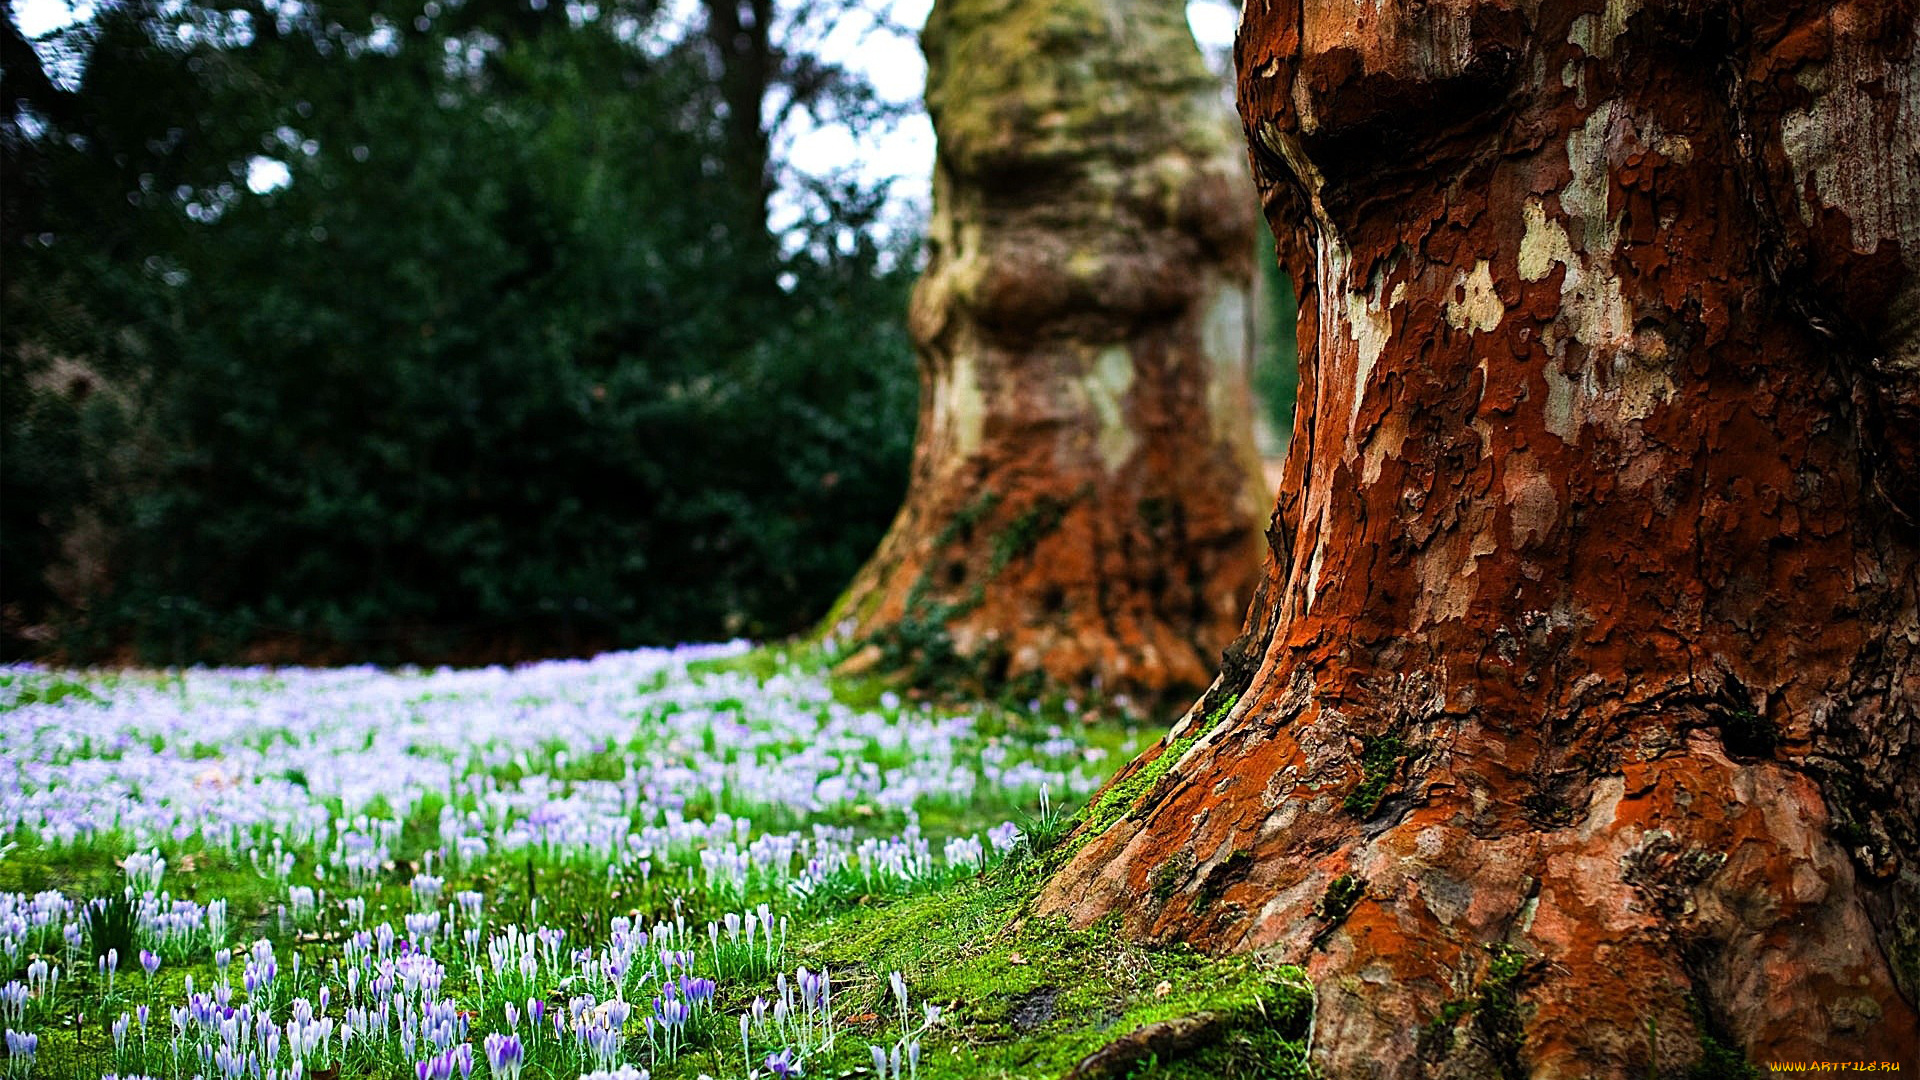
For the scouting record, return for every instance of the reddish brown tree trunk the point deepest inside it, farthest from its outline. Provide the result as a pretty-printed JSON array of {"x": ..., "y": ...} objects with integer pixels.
[
  {"x": 1085, "y": 501},
  {"x": 1574, "y": 728}
]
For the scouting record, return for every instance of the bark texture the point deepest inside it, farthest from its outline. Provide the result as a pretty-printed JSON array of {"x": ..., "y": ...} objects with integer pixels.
[
  {"x": 1085, "y": 501},
  {"x": 1573, "y": 729}
]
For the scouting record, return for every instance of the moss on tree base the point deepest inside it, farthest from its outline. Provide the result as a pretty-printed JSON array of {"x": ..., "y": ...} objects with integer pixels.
[{"x": 1026, "y": 996}]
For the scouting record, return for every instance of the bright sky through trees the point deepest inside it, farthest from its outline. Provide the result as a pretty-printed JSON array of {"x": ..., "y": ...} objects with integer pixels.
[{"x": 889, "y": 59}]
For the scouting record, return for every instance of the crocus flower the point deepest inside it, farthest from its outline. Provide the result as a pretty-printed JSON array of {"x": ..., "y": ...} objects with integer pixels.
[
  {"x": 505, "y": 1055},
  {"x": 22, "y": 1046}
]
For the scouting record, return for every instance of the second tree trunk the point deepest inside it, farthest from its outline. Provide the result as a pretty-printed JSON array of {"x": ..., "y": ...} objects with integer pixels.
[{"x": 1085, "y": 498}]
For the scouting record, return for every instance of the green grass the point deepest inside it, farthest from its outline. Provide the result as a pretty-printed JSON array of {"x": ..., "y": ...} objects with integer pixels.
[
  {"x": 40, "y": 688},
  {"x": 1021, "y": 996}
]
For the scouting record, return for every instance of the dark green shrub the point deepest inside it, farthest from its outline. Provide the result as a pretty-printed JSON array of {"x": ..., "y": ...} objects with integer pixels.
[{"x": 498, "y": 373}]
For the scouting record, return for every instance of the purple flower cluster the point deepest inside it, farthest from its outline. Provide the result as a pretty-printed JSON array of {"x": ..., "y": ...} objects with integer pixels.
[{"x": 628, "y": 765}]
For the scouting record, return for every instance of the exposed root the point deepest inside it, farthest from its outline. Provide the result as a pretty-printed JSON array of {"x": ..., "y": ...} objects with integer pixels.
[{"x": 1159, "y": 1041}]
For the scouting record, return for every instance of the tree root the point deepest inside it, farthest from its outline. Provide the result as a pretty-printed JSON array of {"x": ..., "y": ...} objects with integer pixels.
[{"x": 1161, "y": 1041}]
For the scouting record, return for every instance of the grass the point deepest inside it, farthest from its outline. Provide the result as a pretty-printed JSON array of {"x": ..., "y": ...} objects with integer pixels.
[{"x": 1016, "y": 996}]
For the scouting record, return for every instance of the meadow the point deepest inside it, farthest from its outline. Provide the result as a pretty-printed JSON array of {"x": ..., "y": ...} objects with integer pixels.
[{"x": 708, "y": 861}]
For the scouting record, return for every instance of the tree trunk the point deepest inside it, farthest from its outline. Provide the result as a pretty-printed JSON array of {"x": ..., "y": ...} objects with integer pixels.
[
  {"x": 740, "y": 33},
  {"x": 1084, "y": 504},
  {"x": 1573, "y": 728}
]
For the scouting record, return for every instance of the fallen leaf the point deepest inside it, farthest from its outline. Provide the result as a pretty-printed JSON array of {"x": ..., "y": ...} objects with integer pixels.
[
  {"x": 1163, "y": 989},
  {"x": 1016, "y": 958}
]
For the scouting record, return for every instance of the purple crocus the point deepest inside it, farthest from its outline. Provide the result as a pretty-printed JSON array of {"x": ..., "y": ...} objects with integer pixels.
[
  {"x": 505, "y": 1055},
  {"x": 22, "y": 1046},
  {"x": 697, "y": 991},
  {"x": 437, "y": 1067},
  {"x": 149, "y": 960}
]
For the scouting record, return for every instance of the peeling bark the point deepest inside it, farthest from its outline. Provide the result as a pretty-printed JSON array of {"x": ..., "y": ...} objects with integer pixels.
[
  {"x": 1085, "y": 497},
  {"x": 1578, "y": 730}
]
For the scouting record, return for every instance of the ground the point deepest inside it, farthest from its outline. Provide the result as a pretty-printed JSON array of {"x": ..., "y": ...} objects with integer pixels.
[{"x": 661, "y": 851}]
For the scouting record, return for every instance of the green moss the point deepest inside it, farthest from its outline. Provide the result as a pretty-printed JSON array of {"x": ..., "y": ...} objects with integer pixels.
[
  {"x": 1903, "y": 949},
  {"x": 1166, "y": 877},
  {"x": 1380, "y": 757},
  {"x": 960, "y": 525},
  {"x": 918, "y": 646},
  {"x": 762, "y": 663},
  {"x": 1497, "y": 1014},
  {"x": 1249, "y": 1051},
  {"x": 1344, "y": 892},
  {"x": 1046, "y": 83},
  {"x": 1220, "y": 712},
  {"x": 1498, "y": 1026},
  {"x": 1437, "y": 1035},
  {"x": 1122, "y": 797},
  {"x": 975, "y": 949},
  {"x": 1025, "y": 532},
  {"x": 1718, "y": 1059}
]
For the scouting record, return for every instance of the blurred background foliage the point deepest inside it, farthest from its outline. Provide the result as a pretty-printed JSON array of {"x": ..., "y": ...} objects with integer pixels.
[
  {"x": 445, "y": 330},
  {"x": 434, "y": 331}
]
